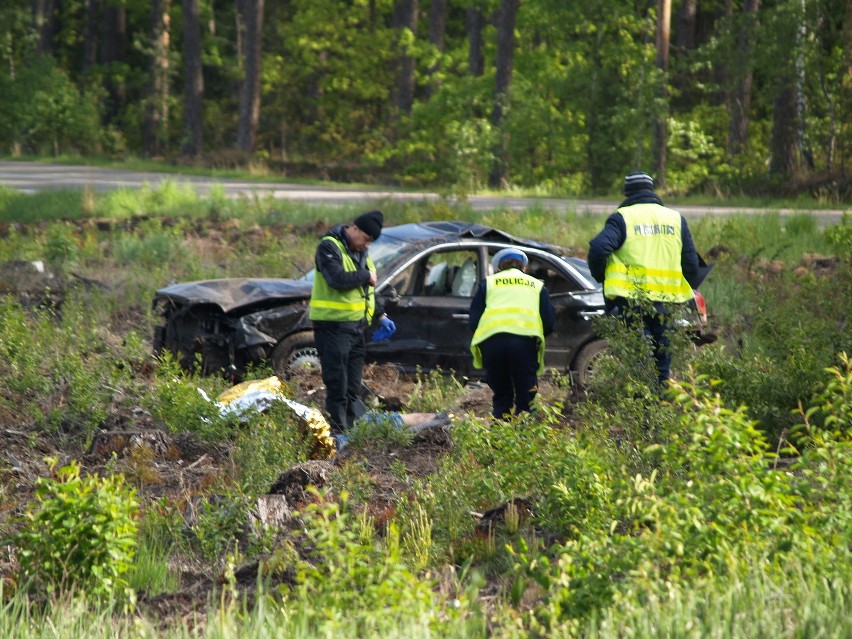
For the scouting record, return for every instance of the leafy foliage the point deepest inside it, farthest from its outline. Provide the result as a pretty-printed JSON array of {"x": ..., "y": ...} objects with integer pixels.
[
  {"x": 80, "y": 533},
  {"x": 182, "y": 406},
  {"x": 351, "y": 579},
  {"x": 45, "y": 112},
  {"x": 714, "y": 502}
]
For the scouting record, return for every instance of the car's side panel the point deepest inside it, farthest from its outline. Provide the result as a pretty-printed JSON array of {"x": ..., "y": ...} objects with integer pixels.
[{"x": 411, "y": 345}]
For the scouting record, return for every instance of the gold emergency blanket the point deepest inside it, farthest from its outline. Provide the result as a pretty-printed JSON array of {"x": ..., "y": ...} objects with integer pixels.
[{"x": 258, "y": 394}]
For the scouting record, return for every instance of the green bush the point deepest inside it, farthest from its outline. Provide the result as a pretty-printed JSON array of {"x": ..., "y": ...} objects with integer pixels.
[
  {"x": 795, "y": 325},
  {"x": 379, "y": 430},
  {"x": 80, "y": 533},
  {"x": 265, "y": 445},
  {"x": 218, "y": 524},
  {"x": 715, "y": 502},
  {"x": 43, "y": 111},
  {"x": 179, "y": 402},
  {"x": 825, "y": 439},
  {"x": 54, "y": 370},
  {"x": 351, "y": 580}
]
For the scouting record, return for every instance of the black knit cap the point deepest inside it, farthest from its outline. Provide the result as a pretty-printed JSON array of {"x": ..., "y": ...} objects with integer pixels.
[
  {"x": 638, "y": 181},
  {"x": 371, "y": 223}
]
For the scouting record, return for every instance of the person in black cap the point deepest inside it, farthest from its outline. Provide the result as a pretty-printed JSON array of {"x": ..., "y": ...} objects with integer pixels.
[
  {"x": 343, "y": 307},
  {"x": 646, "y": 260},
  {"x": 510, "y": 315}
]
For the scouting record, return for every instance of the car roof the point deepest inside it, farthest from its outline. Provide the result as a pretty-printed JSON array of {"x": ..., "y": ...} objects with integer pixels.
[{"x": 429, "y": 232}]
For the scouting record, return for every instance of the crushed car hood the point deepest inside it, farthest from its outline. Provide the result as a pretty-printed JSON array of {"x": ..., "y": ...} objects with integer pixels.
[{"x": 233, "y": 293}]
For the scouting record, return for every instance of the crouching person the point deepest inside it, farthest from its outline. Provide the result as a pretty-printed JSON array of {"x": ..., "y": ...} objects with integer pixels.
[{"x": 510, "y": 315}]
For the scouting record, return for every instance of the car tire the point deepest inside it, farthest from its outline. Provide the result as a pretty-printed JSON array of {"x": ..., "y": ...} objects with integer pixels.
[
  {"x": 295, "y": 352},
  {"x": 586, "y": 360}
]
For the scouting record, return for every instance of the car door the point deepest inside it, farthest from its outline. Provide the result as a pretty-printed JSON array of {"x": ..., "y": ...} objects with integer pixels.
[{"x": 430, "y": 303}]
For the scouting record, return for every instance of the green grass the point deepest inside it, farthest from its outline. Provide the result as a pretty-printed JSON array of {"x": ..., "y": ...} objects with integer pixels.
[
  {"x": 764, "y": 602},
  {"x": 38, "y": 207},
  {"x": 795, "y": 603},
  {"x": 151, "y": 572}
]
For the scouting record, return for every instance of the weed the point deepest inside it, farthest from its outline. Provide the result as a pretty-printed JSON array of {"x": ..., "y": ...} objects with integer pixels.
[
  {"x": 346, "y": 573},
  {"x": 434, "y": 392},
  {"x": 217, "y": 525},
  {"x": 264, "y": 445},
  {"x": 417, "y": 539},
  {"x": 182, "y": 406}
]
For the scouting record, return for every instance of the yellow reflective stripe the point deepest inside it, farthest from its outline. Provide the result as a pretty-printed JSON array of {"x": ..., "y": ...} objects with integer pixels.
[
  {"x": 511, "y": 310},
  {"x": 647, "y": 286},
  {"x": 638, "y": 271},
  {"x": 499, "y": 323},
  {"x": 637, "y": 281},
  {"x": 342, "y": 306}
]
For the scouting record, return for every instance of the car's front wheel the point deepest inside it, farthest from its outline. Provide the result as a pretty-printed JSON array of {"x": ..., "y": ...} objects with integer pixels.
[
  {"x": 295, "y": 352},
  {"x": 588, "y": 359}
]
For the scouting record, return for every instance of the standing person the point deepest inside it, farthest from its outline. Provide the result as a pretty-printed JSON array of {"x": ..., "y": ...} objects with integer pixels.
[
  {"x": 510, "y": 315},
  {"x": 343, "y": 304},
  {"x": 645, "y": 253}
]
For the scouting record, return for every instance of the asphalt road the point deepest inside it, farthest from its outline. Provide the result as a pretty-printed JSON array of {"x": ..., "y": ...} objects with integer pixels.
[{"x": 31, "y": 177}]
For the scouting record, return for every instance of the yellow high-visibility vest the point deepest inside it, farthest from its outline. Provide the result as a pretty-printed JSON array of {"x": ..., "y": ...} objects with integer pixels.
[
  {"x": 511, "y": 306},
  {"x": 648, "y": 264},
  {"x": 352, "y": 305}
]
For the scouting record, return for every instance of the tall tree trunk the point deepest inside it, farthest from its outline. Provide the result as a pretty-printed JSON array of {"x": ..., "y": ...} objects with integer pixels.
[
  {"x": 405, "y": 17},
  {"x": 503, "y": 81},
  {"x": 686, "y": 25},
  {"x": 475, "y": 57},
  {"x": 740, "y": 99},
  {"x": 664, "y": 18},
  {"x": 193, "y": 80},
  {"x": 845, "y": 111},
  {"x": 239, "y": 44},
  {"x": 801, "y": 42},
  {"x": 157, "y": 105},
  {"x": 113, "y": 52},
  {"x": 90, "y": 35},
  {"x": 784, "y": 160},
  {"x": 250, "y": 89},
  {"x": 44, "y": 23},
  {"x": 437, "y": 30}
]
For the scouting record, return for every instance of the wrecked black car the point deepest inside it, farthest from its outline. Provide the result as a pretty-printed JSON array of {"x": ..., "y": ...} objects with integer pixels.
[{"x": 427, "y": 273}]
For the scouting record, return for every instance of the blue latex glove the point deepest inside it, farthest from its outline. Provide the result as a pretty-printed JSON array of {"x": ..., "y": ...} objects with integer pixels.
[{"x": 384, "y": 331}]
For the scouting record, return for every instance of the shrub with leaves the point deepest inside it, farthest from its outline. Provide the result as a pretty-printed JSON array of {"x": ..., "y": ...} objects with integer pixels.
[
  {"x": 349, "y": 579},
  {"x": 716, "y": 500},
  {"x": 80, "y": 533},
  {"x": 797, "y": 324},
  {"x": 178, "y": 403},
  {"x": 825, "y": 438}
]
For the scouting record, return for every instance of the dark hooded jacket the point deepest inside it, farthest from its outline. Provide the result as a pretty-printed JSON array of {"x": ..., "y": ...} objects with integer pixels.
[{"x": 614, "y": 234}]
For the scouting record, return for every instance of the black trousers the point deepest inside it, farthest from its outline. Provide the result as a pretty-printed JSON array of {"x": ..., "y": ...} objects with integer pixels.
[
  {"x": 341, "y": 352},
  {"x": 511, "y": 367},
  {"x": 655, "y": 324}
]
